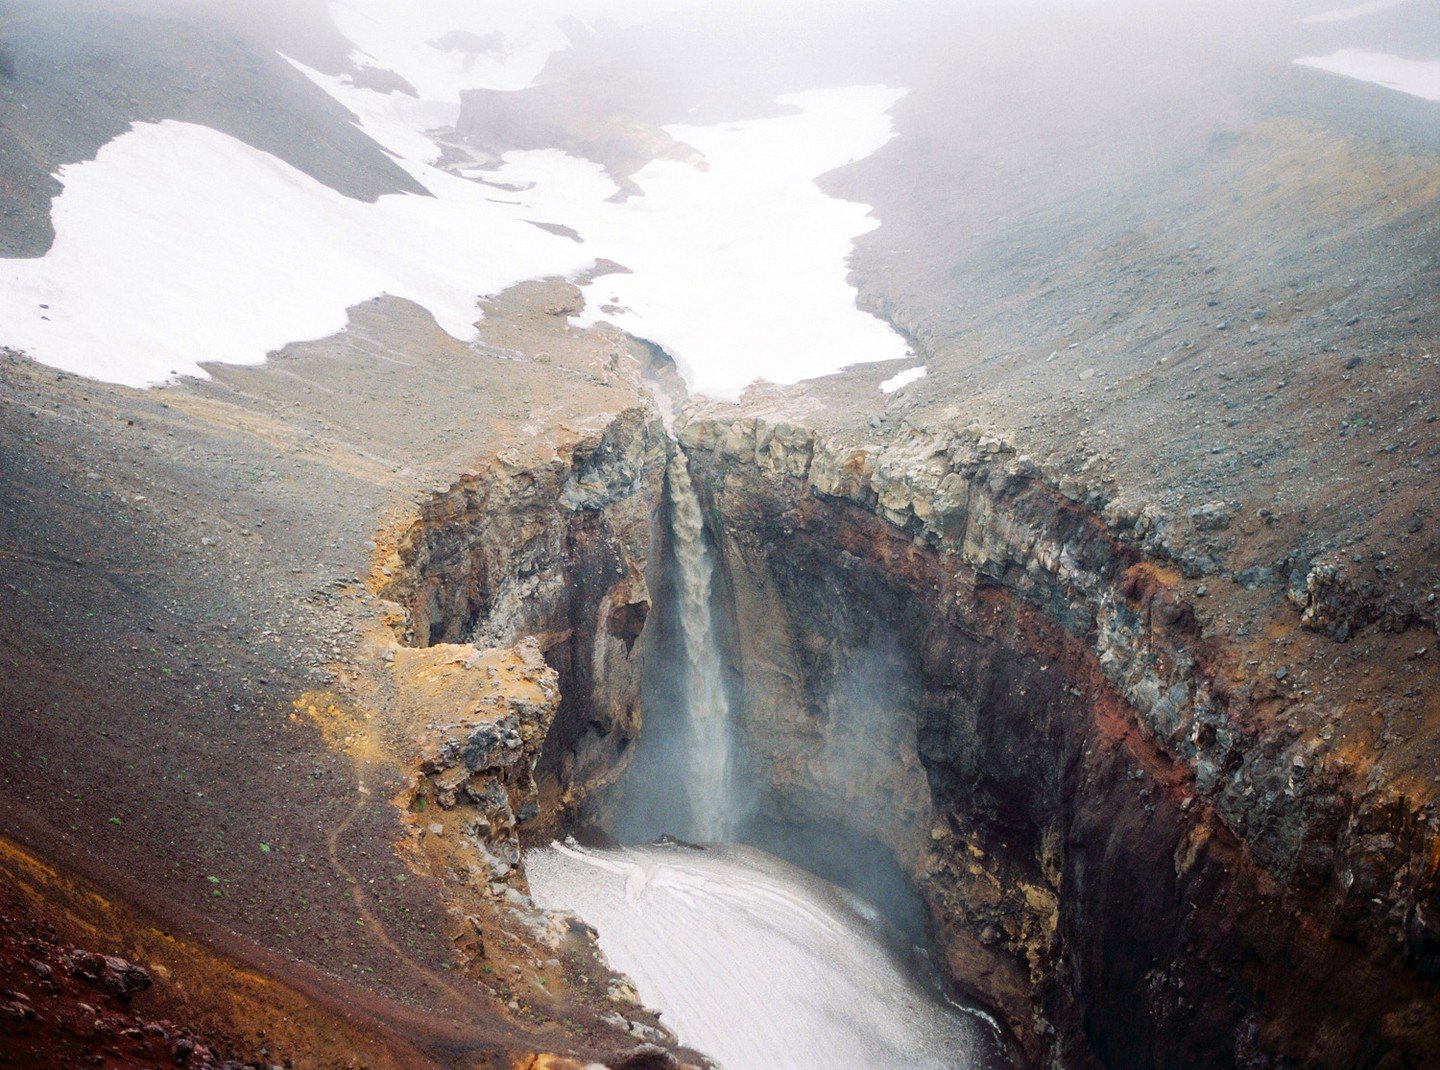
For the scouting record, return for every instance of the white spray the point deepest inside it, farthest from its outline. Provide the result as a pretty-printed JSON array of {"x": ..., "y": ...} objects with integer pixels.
[{"x": 708, "y": 776}]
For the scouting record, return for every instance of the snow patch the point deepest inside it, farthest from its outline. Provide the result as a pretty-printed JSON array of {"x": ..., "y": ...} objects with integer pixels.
[
  {"x": 1418, "y": 77},
  {"x": 905, "y": 378},
  {"x": 755, "y": 962},
  {"x": 178, "y": 244},
  {"x": 738, "y": 270}
]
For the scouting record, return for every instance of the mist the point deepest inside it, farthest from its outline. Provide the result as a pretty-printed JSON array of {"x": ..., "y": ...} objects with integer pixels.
[{"x": 915, "y": 517}]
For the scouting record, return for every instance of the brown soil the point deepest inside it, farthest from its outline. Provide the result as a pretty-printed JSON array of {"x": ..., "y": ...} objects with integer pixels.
[{"x": 63, "y": 1008}]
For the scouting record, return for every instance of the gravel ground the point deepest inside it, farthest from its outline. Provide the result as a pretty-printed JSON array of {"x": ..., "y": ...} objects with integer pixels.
[{"x": 179, "y": 565}]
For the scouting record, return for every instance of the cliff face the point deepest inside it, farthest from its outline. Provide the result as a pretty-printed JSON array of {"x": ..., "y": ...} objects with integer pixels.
[
  {"x": 1127, "y": 844},
  {"x": 554, "y": 549},
  {"x": 480, "y": 717}
]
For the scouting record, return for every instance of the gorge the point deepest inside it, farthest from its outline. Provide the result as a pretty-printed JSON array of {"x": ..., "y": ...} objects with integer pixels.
[
  {"x": 1047, "y": 743},
  {"x": 940, "y": 576}
]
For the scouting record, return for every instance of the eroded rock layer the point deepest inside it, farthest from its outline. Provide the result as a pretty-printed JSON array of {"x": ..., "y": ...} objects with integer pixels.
[
  {"x": 1126, "y": 843},
  {"x": 558, "y": 551}
]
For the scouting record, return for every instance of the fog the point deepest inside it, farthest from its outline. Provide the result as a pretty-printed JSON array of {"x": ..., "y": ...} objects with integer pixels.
[
  {"x": 1010, "y": 109},
  {"x": 1060, "y": 82},
  {"x": 1065, "y": 79},
  {"x": 792, "y": 189}
]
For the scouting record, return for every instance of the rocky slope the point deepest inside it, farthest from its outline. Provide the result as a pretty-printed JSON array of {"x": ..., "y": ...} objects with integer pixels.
[
  {"x": 1144, "y": 848},
  {"x": 1116, "y": 632},
  {"x": 211, "y": 714}
]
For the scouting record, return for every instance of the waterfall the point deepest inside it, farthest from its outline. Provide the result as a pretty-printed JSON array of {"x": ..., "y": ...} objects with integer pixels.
[{"x": 707, "y": 708}]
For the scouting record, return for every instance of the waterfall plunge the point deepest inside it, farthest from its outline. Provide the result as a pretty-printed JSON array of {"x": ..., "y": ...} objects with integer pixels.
[
  {"x": 708, "y": 786},
  {"x": 760, "y": 964}
]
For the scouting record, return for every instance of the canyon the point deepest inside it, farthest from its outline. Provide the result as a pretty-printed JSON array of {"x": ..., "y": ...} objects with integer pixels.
[
  {"x": 1068, "y": 665},
  {"x": 1093, "y": 797}
]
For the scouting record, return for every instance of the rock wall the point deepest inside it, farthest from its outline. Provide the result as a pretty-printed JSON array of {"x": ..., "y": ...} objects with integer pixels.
[
  {"x": 554, "y": 548},
  {"x": 1123, "y": 848},
  {"x": 482, "y": 716}
]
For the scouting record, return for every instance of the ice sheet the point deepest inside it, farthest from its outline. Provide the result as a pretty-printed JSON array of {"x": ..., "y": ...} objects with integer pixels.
[{"x": 754, "y": 962}]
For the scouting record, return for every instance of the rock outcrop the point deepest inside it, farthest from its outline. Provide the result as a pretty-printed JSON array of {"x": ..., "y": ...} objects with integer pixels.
[
  {"x": 482, "y": 716},
  {"x": 554, "y": 549},
  {"x": 1131, "y": 842}
]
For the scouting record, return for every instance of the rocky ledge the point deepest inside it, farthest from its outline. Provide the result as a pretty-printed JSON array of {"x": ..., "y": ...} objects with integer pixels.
[{"x": 554, "y": 548}]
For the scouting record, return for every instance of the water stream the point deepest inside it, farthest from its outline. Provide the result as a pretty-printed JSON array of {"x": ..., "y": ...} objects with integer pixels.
[{"x": 709, "y": 778}]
